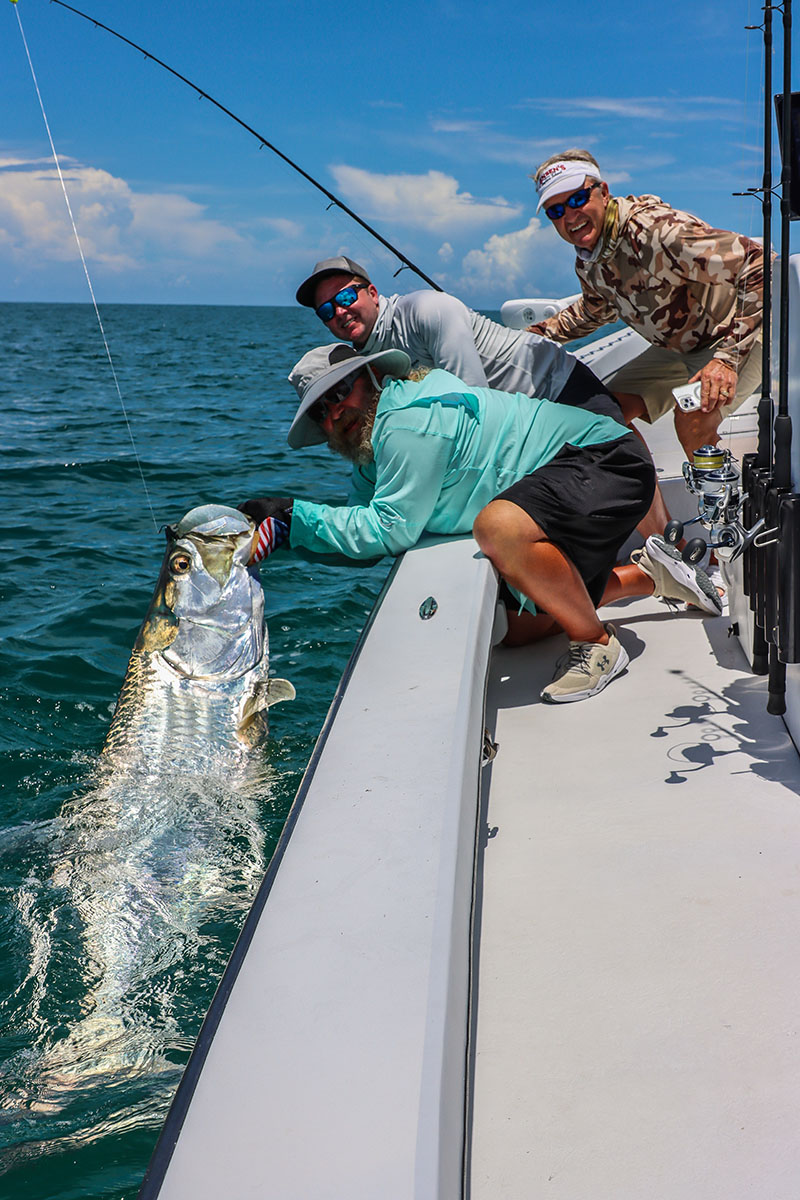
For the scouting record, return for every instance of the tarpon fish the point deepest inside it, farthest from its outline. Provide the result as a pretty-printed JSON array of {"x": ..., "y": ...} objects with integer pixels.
[
  {"x": 199, "y": 668},
  {"x": 169, "y": 838}
]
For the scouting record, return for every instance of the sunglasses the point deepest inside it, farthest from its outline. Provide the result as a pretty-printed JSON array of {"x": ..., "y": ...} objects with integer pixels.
[
  {"x": 343, "y": 299},
  {"x": 334, "y": 395},
  {"x": 577, "y": 200}
]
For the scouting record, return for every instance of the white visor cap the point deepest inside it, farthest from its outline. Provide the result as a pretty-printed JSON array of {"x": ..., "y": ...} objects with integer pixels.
[{"x": 567, "y": 175}]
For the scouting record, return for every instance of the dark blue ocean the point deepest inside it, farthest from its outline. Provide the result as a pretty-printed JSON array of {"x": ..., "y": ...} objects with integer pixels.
[{"x": 87, "y": 488}]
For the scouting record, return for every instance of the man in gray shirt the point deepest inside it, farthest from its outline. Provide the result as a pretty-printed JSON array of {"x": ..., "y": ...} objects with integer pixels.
[{"x": 437, "y": 330}]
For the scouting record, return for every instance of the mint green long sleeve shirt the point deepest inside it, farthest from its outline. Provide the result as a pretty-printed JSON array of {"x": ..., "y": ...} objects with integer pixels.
[{"x": 442, "y": 451}]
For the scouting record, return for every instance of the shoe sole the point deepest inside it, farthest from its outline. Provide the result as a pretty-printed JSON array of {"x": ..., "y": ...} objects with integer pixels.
[
  {"x": 708, "y": 601},
  {"x": 568, "y": 697}
]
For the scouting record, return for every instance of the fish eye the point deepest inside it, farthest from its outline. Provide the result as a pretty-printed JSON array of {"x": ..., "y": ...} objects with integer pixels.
[{"x": 180, "y": 564}]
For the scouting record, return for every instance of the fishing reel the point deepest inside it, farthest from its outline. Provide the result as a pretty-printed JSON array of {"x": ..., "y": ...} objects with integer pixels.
[{"x": 714, "y": 476}]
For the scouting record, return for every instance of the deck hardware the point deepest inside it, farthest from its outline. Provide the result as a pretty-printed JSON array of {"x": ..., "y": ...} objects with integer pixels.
[
  {"x": 428, "y": 609},
  {"x": 766, "y": 537}
]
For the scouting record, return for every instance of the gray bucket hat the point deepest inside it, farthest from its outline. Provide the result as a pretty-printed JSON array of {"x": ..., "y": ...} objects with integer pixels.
[
  {"x": 328, "y": 266},
  {"x": 319, "y": 370}
]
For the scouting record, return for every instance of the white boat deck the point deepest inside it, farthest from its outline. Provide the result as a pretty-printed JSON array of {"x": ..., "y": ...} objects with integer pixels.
[{"x": 638, "y": 1011}]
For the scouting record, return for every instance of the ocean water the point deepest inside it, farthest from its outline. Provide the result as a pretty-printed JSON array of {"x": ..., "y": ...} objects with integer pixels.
[{"x": 87, "y": 488}]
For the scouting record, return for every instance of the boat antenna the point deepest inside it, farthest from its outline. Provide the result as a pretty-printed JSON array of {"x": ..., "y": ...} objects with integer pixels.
[{"x": 334, "y": 200}]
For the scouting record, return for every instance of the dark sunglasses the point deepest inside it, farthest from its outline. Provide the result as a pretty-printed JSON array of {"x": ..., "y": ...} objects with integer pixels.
[
  {"x": 577, "y": 200},
  {"x": 343, "y": 299},
  {"x": 334, "y": 395}
]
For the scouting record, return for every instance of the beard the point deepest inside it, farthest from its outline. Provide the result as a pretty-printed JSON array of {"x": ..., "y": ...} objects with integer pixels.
[{"x": 358, "y": 450}]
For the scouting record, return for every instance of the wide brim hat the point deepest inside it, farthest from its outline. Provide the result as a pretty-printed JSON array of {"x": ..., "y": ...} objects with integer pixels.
[
  {"x": 319, "y": 370},
  {"x": 329, "y": 266}
]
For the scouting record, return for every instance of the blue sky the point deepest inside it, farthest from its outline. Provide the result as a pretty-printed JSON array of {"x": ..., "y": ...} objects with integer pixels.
[{"x": 426, "y": 119}]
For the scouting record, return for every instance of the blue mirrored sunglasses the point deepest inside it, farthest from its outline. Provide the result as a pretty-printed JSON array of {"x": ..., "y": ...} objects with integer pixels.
[
  {"x": 577, "y": 200},
  {"x": 334, "y": 395},
  {"x": 343, "y": 299}
]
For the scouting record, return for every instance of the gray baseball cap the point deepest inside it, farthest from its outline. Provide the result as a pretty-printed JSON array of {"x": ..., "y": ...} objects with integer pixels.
[
  {"x": 319, "y": 370},
  {"x": 328, "y": 266}
]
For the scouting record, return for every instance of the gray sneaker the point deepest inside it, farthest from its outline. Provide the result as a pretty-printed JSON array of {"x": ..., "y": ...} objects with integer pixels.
[
  {"x": 675, "y": 579},
  {"x": 585, "y": 669}
]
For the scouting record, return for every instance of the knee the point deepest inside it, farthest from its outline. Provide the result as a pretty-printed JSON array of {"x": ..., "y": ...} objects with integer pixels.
[
  {"x": 485, "y": 528},
  {"x": 497, "y": 531}
]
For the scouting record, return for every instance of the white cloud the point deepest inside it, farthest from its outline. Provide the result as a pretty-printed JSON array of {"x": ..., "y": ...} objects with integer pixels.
[
  {"x": 118, "y": 227},
  {"x": 648, "y": 108},
  {"x": 442, "y": 125},
  {"x": 522, "y": 259},
  {"x": 481, "y": 141},
  {"x": 281, "y": 226},
  {"x": 431, "y": 202}
]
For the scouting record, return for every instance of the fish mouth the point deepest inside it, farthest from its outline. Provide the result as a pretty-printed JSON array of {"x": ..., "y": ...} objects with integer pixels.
[{"x": 211, "y": 520}]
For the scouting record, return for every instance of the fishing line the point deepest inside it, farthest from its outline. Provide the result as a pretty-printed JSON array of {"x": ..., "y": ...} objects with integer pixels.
[
  {"x": 83, "y": 261},
  {"x": 334, "y": 200}
]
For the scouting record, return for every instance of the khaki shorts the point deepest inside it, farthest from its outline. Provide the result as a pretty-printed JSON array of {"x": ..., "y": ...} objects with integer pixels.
[{"x": 657, "y": 371}]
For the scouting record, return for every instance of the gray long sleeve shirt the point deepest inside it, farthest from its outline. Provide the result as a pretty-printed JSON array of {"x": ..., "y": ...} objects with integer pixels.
[{"x": 437, "y": 330}]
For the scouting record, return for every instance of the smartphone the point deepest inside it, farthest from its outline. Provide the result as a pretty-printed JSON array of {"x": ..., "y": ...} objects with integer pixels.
[{"x": 688, "y": 397}]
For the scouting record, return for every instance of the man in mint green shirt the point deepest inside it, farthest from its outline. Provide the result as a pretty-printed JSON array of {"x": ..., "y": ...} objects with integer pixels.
[{"x": 550, "y": 493}]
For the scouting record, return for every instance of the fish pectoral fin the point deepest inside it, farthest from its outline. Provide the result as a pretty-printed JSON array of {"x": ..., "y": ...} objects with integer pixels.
[
  {"x": 253, "y": 723},
  {"x": 279, "y": 689}
]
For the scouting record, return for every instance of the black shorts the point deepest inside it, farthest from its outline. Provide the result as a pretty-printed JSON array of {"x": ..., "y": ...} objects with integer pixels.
[
  {"x": 584, "y": 390},
  {"x": 588, "y": 501}
]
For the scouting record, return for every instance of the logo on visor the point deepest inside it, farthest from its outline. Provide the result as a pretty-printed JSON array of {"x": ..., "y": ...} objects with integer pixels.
[{"x": 551, "y": 173}]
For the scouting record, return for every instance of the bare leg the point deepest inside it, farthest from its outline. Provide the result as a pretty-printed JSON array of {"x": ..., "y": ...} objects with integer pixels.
[
  {"x": 658, "y": 514},
  {"x": 519, "y": 548},
  {"x": 625, "y": 581},
  {"x": 696, "y": 429}
]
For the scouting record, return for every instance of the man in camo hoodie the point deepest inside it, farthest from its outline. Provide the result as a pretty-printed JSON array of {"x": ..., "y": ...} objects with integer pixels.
[{"x": 694, "y": 292}]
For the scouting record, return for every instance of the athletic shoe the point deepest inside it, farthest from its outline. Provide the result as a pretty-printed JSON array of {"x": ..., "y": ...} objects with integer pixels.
[
  {"x": 675, "y": 579},
  {"x": 585, "y": 669}
]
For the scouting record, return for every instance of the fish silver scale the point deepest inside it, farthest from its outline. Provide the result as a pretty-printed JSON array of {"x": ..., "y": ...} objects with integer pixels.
[
  {"x": 171, "y": 828},
  {"x": 198, "y": 677}
]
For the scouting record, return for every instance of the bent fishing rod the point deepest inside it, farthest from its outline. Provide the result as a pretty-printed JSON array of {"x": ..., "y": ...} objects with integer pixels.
[{"x": 260, "y": 138}]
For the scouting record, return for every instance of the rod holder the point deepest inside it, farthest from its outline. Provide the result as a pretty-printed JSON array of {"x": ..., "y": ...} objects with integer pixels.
[{"x": 788, "y": 582}]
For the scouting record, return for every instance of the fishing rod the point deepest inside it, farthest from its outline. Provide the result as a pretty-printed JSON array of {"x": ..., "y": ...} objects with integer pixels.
[{"x": 260, "y": 138}]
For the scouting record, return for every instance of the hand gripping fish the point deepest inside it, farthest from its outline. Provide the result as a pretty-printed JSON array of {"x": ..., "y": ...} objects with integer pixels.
[{"x": 198, "y": 672}]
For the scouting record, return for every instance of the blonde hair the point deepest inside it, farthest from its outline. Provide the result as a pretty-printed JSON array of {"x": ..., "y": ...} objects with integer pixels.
[{"x": 566, "y": 156}]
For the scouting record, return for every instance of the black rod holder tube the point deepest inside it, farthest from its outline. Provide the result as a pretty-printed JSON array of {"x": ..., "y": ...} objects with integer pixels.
[
  {"x": 776, "y": 702},
  {"x": 783, "y": 425},
  {"x": 788, "y": 638},
  {"x": 765, "y": 407}
]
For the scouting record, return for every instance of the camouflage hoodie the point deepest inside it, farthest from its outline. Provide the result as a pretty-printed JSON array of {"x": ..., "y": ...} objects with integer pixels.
[{"x": 679, "y": 282}]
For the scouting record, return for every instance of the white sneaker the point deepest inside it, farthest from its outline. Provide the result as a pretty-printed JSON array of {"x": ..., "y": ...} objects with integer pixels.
[
  {"x": 675, "y": 579},
  {"x": 585, "y": 669}
]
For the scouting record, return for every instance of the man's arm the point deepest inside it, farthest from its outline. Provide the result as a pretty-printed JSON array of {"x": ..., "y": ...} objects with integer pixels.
[
  {"x": 577, "y": 320},
  {"x": 410, "y": 475}
]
